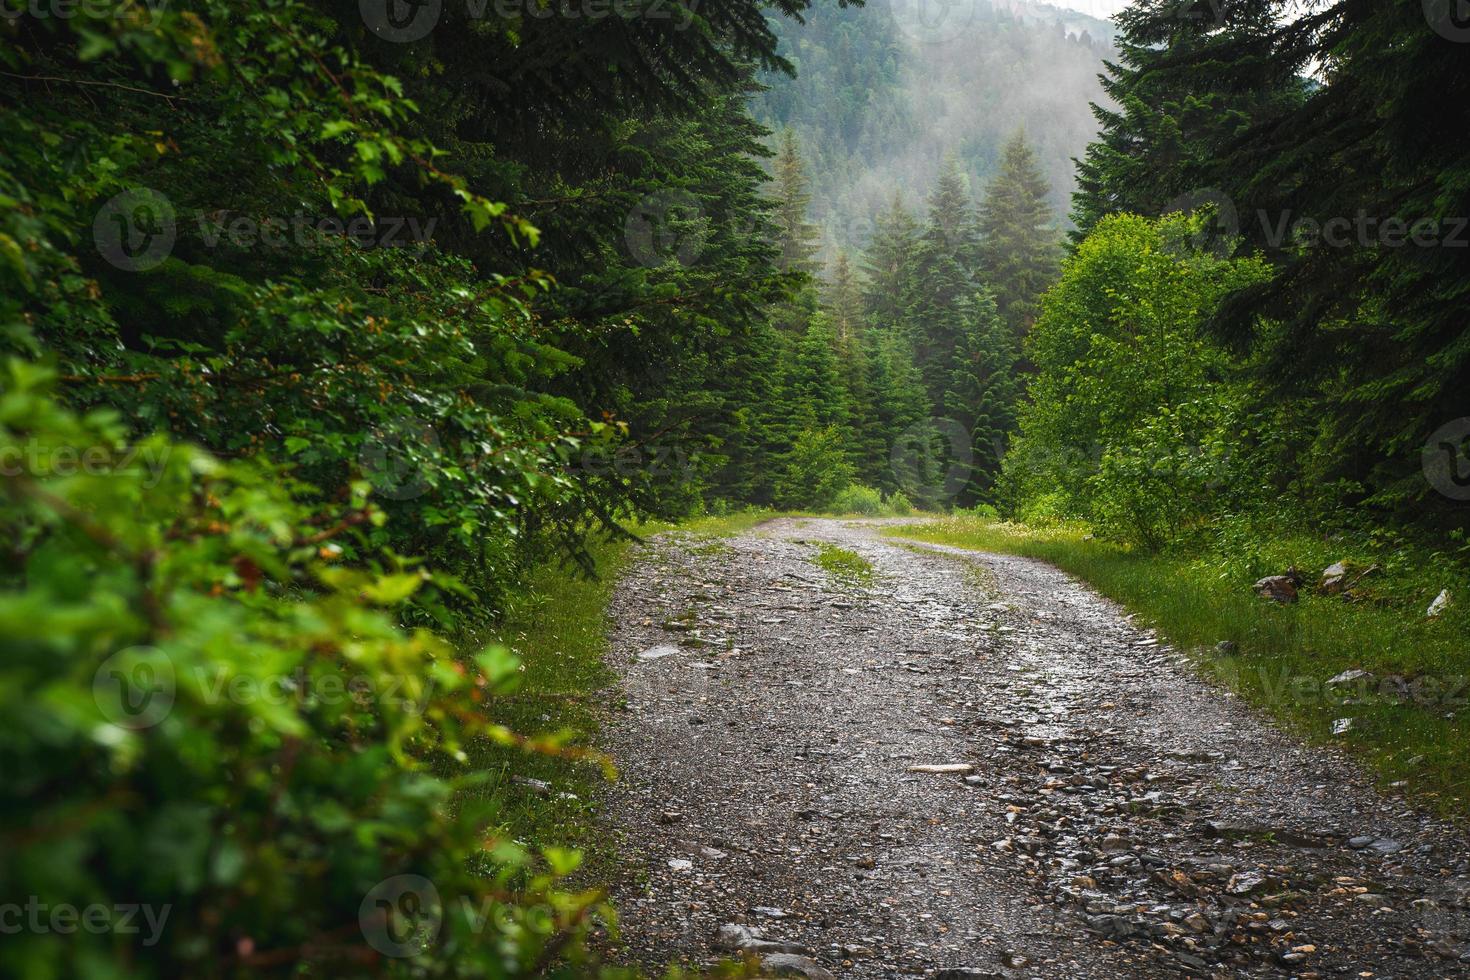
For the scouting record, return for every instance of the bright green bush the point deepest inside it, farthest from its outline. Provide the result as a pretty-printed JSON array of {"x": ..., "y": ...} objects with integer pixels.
[
  {"x": 1134, "y": 421},
  {"x": 203, "y": 713},
  {"x": 858, "y": 500},
  {"x": 898, "y": 504}
]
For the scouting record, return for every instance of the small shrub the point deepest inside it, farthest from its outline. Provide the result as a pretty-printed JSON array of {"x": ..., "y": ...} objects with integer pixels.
[
  {"x": 898, "y": 504},
  {"x": 858, "y": 500},
  {"x": 1044, "y": 510}
]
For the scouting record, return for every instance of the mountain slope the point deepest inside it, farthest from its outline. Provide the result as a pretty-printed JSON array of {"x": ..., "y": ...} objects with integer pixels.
[{"x": 882, "y": 96}]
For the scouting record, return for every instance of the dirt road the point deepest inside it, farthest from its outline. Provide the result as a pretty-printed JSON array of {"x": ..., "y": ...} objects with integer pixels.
[{"x": 1117, "y": 816}]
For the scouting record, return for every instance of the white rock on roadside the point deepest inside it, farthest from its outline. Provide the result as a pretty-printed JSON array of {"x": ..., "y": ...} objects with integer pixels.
[
  {"x": 954, "y": 768},
  {"x": 1349, "y": 677},
  {"x": 658, "y": 652},
  {"x": 794, "y": 965}
]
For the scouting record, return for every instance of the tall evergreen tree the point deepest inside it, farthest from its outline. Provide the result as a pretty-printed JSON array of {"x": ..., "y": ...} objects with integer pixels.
[
  {"x": 983, "y": 390},
  {"x": 1369, "y": 328},
  {"x": 899, "y": 402},
  {"x": 1018, "y": 240},
  {"x": 952, "y": 230},
  {"x": 1191, "y": 79},
  {"x": 943, "y": 280},
  {"x": 844, "y": 301},
  {"x": 798, "y": 238},
  {"x": 889, "y": 265}
]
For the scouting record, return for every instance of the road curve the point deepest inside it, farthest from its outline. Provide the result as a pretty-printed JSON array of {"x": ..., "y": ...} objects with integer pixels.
[{"x": 1118, "y": 816}]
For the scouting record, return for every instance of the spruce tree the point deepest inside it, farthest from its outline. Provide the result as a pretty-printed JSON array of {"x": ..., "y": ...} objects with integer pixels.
[
  {"x": 952, "y": 230},
  {"x": 943, "y": 279},
  {"x": 889, "y": 265},
  {"x": 844, "y": 300},
  {"x": 983, "y": 390},
  {"x": 899, "y": 403},
  {"x": 1191, "y": 80},
  {"x": 1018, "y": 242},
  {"x": 797, "y": 237}
]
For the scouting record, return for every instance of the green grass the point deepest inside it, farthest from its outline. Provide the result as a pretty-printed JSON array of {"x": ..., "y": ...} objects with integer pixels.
[
  {"x": 559, "y": 629},
  {"x": 847, "y": 567},
  {"x": 1285, "y": 653}
]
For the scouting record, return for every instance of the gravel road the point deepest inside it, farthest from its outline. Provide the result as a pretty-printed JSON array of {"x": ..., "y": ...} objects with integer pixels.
[{"x": 1098, "y": 811}]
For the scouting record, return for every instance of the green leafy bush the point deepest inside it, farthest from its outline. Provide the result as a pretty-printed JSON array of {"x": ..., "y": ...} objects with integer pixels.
[
  {"x": 898, "y": 504},
  {"x": 858, "y": 500},
  {"x": 205, "y": 715},
  {"x": 1134, "y": 421}
]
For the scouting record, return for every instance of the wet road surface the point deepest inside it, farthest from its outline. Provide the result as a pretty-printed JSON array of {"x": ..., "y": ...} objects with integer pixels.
[{"x": 974, "y": 766}]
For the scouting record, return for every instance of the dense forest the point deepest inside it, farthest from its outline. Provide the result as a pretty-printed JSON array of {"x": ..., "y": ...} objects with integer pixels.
[
  {"x": 879, "y": 103},
  {"x": 325, "y": 322}
]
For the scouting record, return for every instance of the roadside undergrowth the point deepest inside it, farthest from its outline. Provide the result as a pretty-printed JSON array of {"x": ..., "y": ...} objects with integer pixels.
[
  {"x": 1408, "y": 717},
  {"x": 559, "y": 630}
]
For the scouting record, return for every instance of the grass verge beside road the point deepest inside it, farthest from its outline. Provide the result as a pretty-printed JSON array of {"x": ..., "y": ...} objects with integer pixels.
[
  {"x": 1410, "y": 718},
  {"x": 559, "y": 630}
]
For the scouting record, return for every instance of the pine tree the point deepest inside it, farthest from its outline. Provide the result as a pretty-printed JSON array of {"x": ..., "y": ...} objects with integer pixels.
[
  {"x": 889, "y": 265},
  {"x": 984, "y": 387},
  {"x": 1369, "y": 338},
  {"x": 1018, "y": 247},
  {"x": 1180, "y": 102},
  {"x": 943, "y": 279},
  {"x": 899, "y": 404},
  {"x": 844, "y": 301},
  {"x": 797, "y": 237},
  {"x": 951, "y": 229}
]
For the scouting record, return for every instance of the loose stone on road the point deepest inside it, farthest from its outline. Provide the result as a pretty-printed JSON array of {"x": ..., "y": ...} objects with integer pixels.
[{"x": 974, "y": 766}]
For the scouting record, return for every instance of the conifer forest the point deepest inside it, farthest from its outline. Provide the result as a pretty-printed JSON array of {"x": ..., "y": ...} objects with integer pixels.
[{"x": 734, "y": 488}]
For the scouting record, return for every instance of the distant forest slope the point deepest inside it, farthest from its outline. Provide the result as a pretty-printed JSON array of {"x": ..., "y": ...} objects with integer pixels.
[{"x": 880, "y": 98}]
